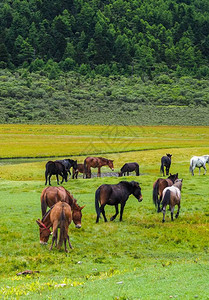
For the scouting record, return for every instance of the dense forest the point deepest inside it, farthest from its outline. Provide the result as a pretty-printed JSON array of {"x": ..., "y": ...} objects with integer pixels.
[
  {"x": 106, "y": 37},
  {"x": 110, "y": 61}
]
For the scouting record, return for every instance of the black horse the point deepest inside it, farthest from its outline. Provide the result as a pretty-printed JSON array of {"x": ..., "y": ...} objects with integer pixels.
[
  {"x": 165, "y": 162},
  {"x": 55, "y": 168},
  {"x": 129, "y": 167},
  {"x": 69, "y": 163},
  {"x": 113, "y": 194}
]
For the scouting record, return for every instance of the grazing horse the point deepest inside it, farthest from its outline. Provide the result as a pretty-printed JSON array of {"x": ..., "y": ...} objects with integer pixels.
[
  {"x": 55, "y": 168},
  {"x": 52, "y": 194},
  {"x": 80, "y": 169},
  {"x": 113, "y": 194},
  {"x": 129, "y": 167},
  {"x": 60, "y": 216},
  {"x": 159, "y": 185},
  {"x": 165, "y": 162},
  {"x": 68, "y": 163},
  {"x": 172, "y": 197},
  {"x": 96, "y": 162},
  {"x": 198, "y": 161}
]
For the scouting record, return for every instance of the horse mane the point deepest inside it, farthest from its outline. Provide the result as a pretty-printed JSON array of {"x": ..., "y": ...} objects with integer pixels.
[
  {"x": 74, "y": 201},
  {"x": 104, "y": 159},
  {"x": 47, "y": 213}
]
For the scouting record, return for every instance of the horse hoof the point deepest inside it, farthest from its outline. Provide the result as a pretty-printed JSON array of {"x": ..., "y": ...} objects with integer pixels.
[{"x": 163, "y": 221}]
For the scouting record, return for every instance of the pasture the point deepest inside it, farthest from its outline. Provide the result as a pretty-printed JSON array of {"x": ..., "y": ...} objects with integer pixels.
[{"x": 138, "y": 258}]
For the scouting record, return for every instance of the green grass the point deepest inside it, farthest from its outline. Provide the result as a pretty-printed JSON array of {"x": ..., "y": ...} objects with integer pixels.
[{"x": 139, "y": 258}]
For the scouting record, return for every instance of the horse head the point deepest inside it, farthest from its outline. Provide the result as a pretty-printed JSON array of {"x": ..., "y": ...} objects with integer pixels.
[
  {"x": 77, "y": 215},
  {"x": 136, "y": 190},
  {"x": 110, "y": 164},
  {"x": 44, "y": 232}
]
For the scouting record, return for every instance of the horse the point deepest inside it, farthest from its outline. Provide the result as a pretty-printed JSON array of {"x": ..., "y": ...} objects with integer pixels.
[
  {"x": 129, "y": 167},
  {"x": 80, "y": 168},
  {"x": 51, "y": 195},
  {"x": 96, "y": 162},
  {"x": 165, "y": 162},
  {"x": 159, "y": 185},
  {"x": 172, "y": 197},
  {"x": 59, "y": 216},
  {"x": 69, "y": 163},
  {"x": 55, "y": 168},
  {"x": 198, "y": 161},
  {"x": 114, "y": 194}
]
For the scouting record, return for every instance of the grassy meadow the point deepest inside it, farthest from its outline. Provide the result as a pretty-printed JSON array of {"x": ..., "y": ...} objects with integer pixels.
[{"x": 138, "y": 258}]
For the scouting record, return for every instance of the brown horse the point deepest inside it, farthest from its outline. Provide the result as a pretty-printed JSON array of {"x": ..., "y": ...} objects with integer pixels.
[
  {"x": 59, "y": 216},
  {"x": 114, "y": 194},
  {"x": 80, "y": 169},
  {"x": 172, "y": 197},
  {"x": 159, "y": 185},
  {"x": 53, "y": 194},
  {"x": 96, "y": 162}
]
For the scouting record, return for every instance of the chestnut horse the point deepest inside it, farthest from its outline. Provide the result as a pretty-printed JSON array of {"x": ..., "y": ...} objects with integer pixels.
[
  {"x": 172, "y": 197},
  {"x": 59, "y": 216},
  {"x": 114, "y": 194},
  {"x": 80, "y": 169},
  {"x": 53, "y": 194},
  {"x": 159, "y": 185},
  {"x": 96, "y": 162}
]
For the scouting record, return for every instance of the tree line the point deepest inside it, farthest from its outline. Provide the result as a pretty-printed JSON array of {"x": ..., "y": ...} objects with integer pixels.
[{"x": 106, "y": 37}]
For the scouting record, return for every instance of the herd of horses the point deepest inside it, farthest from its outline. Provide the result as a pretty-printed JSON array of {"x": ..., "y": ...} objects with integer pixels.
[{"x": 64, "y": 207}]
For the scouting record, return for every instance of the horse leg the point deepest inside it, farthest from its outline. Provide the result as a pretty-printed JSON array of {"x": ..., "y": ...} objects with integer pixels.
[
  {"x": 57, "y": 179},
  {"x": 69, "y": 242},
  {"x": 177, "y": 214},
  {"x": 53, "y": 238},
  {"x": 99, "y": 172},
  {"x": 103, "y": 213},
  {"x": 121, "y": 210},
  {"x": 172, "y": 210},
  {"x": 164, "y": 210},
  {"x": 50, "y": 179},
  {"x": 204, "y": 169},
  {"x": 199, "y": 171},
  {"x": 46, "y": 175},
  {"x": 116, "y": 213},
  {"x": 127, "y": 173}
]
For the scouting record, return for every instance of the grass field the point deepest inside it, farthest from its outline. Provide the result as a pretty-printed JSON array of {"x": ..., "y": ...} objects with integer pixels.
[{"x": 139, "y": 258}]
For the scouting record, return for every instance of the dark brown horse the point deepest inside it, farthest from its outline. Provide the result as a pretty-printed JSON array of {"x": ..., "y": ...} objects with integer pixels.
[
  {"x": 129, "y": 167},
  {"x": 59, "y": 216},
  {"x": 172, "y": 197},
  {"x": 80, "y": 169},
  {"x": 53, "y": 194},
  {"x": 96, "y": 162},
  {"x": 55, "y": 168},
  {"x": 165, "y": 162},
  {"x": 159, "y": 185},
  {"x": 114, "y": 194}
]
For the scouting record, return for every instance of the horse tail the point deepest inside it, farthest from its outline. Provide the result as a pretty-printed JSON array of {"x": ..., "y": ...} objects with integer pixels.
[
  {"x": 191, "y": 166},
  {"x": 43, "y": 202},
  {"x": 155, "y": 193},
  {"x": 161, "y": 167},
  {"x": 166, "y": 198},
  {"x": 97, "y": 196},
  {"x": 62, "y": 229},
  {"x": 85, "y": 168}
]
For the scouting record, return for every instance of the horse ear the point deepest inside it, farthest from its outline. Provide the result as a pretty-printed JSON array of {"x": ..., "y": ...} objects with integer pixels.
[
  {"x": 38, "y": 222},
  {"x": 82, "y": 207}
]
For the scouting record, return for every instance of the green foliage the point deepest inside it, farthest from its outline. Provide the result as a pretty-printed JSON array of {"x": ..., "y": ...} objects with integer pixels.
[{"x": 127, "y": 33}]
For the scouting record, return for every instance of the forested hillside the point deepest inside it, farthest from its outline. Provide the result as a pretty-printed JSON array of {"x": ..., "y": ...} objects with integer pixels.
[
  {"x": 137, "y": 61},
  {"x": 106, "y": 37}
]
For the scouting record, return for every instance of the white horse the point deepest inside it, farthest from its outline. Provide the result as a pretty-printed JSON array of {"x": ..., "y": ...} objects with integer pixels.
[{"x": 198, "y": 161}]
